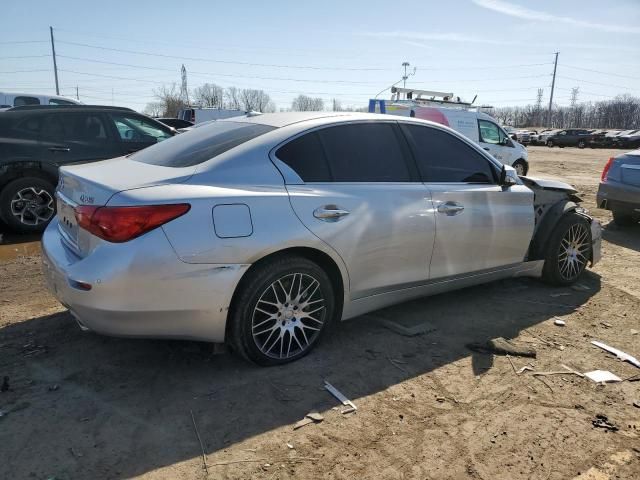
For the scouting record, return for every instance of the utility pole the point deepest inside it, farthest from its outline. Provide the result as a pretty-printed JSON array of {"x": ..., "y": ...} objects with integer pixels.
[
  {"x": 77, "y": 95},
  {"x": 405, "y": 76},
  {"x": 184, "y": 92},
  {"x": 553, "y": 85},
  {"x": 55, "y": 66},
  {"x": 574, "y": 96},
  {"x": 539, "y": 106}
]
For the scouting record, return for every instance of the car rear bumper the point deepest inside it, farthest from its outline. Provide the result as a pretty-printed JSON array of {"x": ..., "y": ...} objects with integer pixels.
[
  {"x": 140, "y": 288},
  {"x": 617, "y": 196}
]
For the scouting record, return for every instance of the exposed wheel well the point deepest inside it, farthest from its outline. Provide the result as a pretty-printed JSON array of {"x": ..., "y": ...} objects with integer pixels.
[{"x": 320, "y": 258}]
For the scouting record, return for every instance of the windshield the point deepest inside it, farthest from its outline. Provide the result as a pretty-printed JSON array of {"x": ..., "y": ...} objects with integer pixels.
[{"x": 200, "y": 144}]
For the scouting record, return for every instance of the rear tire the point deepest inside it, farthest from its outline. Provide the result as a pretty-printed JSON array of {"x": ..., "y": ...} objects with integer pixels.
[
  {"x": 550, "y": 143},
  {"x": 568, "y": 250},
  {"x": 623, "y": 219},
  {"x": 27, "y": 204},
  {"x": 581, "y": 144},
  {"x": 281, "y": 311}
]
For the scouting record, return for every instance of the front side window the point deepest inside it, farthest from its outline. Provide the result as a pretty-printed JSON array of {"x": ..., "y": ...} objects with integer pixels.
[
  {"x": 442, "y": 157},
  {"x": 489, "y": 132},
  {"x": 22, "y": 101},
  {"x": 133, "y": 128},
  {"x": 200, "y": 144},
  {"x": 364, "y": 152}
]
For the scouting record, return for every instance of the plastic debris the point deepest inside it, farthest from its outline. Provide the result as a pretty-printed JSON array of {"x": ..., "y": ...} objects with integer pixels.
[
  {"x": 625, "y": 357},
  {"x": 559, "y": 323},
  {"x": 601, "y": 421},
  {"x": 602, "y": 376},
  {"x": 345, "y": 401}
]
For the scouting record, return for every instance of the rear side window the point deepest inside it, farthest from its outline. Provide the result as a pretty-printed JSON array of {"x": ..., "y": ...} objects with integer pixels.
[
  {"x": 22, "y": 101},
  {"x": 306, "y": 157},
  {"x": 16, "y": 126},
  {"x": 58, "y": 101},
  {"x": 441, "y": 157},
  {"x": 133, "y": 128},
  {"x": 200, "y": 144},
  {"x": 364, "y": 152}
]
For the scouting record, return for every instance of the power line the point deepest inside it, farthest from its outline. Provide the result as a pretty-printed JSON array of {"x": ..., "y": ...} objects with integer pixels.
[
  {"x": 228, "y": 62},
  {"x": 603, "y": 73},
  {"x": 24, "y": 56},
  {"x": 235, "y": 75},
  {"x": 24, "y": 41},
  {"x": 27, "y": 71},
  {"x": 595, "y": 83}
]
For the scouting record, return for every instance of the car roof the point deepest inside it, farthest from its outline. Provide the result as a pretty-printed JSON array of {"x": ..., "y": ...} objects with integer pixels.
[
  {"x": 282, "y": 119},
  {"x": 26, "y": 108}
]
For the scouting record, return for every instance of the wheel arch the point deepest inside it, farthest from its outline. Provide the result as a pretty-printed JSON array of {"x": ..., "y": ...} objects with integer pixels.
[
  {"x": 338, "y": 277},
  {"x": 547, "y": 224},
  {"x": 14, "y": 170}
]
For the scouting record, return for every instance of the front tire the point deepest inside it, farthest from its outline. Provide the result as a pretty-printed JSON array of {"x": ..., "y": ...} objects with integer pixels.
[
  {"x": 581, "y": 144},
  {"x": 521, "y": 167},
  {"x": 550, "y": 143},
  {"x": 27, "y": 204},
  {"x": 281, "y": 311},
  {"x": 568, "y": 250}
]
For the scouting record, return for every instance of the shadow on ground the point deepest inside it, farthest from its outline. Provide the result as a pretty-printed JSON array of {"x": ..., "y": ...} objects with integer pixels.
[
  {"x": 124, "y": 405},
  {"x": 628, "y": 236}
]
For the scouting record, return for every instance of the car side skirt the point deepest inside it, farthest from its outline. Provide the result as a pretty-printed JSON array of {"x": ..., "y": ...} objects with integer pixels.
[{"x": 376, "y": 301}]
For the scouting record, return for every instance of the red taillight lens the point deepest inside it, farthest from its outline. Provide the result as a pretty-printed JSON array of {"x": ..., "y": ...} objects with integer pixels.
[
  {"x": 121, "y": 224},
  {"x": 605, "y": 172}
]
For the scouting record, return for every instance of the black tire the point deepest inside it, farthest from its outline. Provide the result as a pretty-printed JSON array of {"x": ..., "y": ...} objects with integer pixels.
[
  {"x": 27, "y": 204},
  {"x": 581, "y": 144},
  {"x": 550, "y": 143},
  {"x": 556, "y": 271},
  {"x": 521, "y": 163},
  {"x": 256, "y": 287},
  {"x": 623, "y": 218}
]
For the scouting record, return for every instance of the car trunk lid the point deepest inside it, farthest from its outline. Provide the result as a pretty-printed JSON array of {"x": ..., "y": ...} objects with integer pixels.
[{"x": 95, "y": 183}]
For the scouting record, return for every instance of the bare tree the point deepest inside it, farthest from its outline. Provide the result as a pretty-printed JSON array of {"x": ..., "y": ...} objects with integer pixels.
[
  {"x": 209, "y": 95},
  {"x": 232, "y": 95},
  {"x": 256, "y": 100},
  {"x": 303, "y": 103},
  {"x": 154, "y": 109},
  {"x": 336, "y": 106},
  {"x": 170, "y": 99}
]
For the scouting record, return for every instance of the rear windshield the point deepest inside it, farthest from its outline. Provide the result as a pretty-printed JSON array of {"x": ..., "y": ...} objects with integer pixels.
[{"x": 200, "y": 144}]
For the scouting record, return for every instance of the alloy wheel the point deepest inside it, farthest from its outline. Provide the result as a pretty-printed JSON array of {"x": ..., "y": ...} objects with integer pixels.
[
  {"x": 519, "y": 169},
  {"x": 574, "y": 248},
  {"x": 32, "y": 206},
  {"x": 288, "y": 316}
]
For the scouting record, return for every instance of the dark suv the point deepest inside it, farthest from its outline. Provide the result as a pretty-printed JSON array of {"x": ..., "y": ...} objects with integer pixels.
[
  {"x": 572, "y": 137},
  {"x": 36, "y": 140}
]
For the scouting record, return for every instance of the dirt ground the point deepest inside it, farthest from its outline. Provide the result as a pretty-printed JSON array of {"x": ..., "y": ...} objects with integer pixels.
[{"x": 83, "y": 406}]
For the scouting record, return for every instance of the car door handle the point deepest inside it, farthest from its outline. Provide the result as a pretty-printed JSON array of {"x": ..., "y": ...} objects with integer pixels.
[
  {"x": 450, "y": 208},
  {"x": 486, "y": 148},
  {"x": 330, "y": 213},
  {"x": 59, "y": 149}
]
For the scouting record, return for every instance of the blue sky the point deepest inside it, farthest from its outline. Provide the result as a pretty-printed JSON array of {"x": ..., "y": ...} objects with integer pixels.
[{"x": 501, "y": 50}]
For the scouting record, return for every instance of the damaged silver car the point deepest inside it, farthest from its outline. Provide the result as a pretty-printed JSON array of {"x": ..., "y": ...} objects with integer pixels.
[{"x": 262, "y": 231}]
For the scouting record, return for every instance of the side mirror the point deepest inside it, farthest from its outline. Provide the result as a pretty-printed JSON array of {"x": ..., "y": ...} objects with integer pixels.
[
  {"x": 508, "y": 176},
  {"x": 514, "y": 137}
]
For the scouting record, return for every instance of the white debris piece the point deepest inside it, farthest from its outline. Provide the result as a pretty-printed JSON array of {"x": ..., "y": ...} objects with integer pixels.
[
  {"x": 618, "y": 353},
  {"x": 602, "y": 376}
]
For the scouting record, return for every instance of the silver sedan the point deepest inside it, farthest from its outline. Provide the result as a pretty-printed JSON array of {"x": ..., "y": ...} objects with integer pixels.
[{"x": 263, "y": 231}]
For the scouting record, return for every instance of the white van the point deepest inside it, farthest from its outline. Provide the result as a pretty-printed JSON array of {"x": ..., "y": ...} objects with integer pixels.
[
  {"x": 13, "y": 99},
  {"x": 198, "y": 115},
  {"x": 448, "y": 110}
]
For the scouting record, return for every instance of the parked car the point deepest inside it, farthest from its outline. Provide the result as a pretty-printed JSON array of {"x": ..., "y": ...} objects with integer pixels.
[
  {"x": 542, "y": 137},
  {"x": 176, "y": 123},
  {"x": 604, "y": 140},
  {"x": 263, "y": 231},
  {"x": 36, "y": 140},
  {"x": 524, "y": 136},
  {"x": 13, "y": 99},
  {"x": 630, "y": 139},
  {"x": 572, "y": 137},
  {"x": 619, "y": 189}
]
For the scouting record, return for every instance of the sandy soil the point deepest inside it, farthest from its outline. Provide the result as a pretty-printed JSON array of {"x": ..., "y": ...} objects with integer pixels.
[{"x": 85, "y": 406}]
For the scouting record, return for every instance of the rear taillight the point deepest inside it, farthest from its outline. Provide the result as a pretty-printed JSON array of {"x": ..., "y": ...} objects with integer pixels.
[
  {"x": 121, "y": 224},
  {"x": 605, "y": 172}
]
